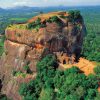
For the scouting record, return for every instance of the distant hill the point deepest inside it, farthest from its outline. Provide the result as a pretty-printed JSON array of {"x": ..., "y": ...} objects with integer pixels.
[
  {"x": 20, "y": 9},
  {"x": 2, "y": 10}
]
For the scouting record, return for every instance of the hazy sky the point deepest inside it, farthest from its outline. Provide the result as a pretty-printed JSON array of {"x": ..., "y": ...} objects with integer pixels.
[{"x": 11, "y": 3}]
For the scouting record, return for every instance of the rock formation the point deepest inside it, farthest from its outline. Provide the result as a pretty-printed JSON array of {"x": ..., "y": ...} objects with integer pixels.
[{"x": 52, "y": 33}]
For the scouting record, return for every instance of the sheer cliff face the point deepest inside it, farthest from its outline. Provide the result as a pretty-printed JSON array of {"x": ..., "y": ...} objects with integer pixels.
[
  {"x": 65, "y": 35},
  {"x": 61, "y": 36}
]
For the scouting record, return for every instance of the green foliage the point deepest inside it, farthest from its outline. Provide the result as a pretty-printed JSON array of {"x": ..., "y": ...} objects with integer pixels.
[
  {"x": 54, "y": 84},
  {"x": 91, "y": 44},
  {"x": 74, "y": 15},
  {"x": 30, "y": 91},
  {"x": 46, "y": 70},
  {"x": 91, "y": 47},
  {"x": 1, "y": 50},
  {"x": 46, "y": 62},
  {"x": 2, "y": 39},
  {"x": 97, "y": 97},
  {"x": 23, "y": 90},
  {"x": 44, "y": 78},
  {"x": 27, "y": 69},
  {"x": 14, "y": 73},
  {"x": 73, "y": 70},
  {"x": 20, "y": 20},
  {"x": 36, "y": 25},
  {"x": 54, "y": 19},
  {"x": 97, "y": 70},
  {"x": 3, "y": 97},
  {"x": 63, "y": 16},
  {"x": 18, "y": 73},
  {"x": 46, "y": 94}
]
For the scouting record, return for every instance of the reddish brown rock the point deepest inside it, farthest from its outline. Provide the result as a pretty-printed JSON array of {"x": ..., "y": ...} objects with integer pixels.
[{"x": 26, "y": 46}]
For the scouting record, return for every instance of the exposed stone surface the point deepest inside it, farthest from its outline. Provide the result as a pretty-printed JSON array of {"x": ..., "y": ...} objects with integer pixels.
[
  {"x": 25, "y": 47},
  {"x": 86, "y": 66}
]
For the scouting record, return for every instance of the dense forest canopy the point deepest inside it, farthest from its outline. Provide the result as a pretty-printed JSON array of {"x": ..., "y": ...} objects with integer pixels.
[{"x": 55, "y": 84}]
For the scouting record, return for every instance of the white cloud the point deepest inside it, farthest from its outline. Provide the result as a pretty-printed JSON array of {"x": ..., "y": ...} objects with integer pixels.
[
  {"x": 20, "y": 3},
  {"x": 11, "y": 3}
]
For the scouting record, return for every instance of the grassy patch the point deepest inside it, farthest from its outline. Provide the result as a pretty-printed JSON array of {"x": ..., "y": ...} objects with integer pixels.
[
  {"x": 18, "y": 19},
  {"x": 18, "y": 73},
  {"x": 17, "y": 26}
]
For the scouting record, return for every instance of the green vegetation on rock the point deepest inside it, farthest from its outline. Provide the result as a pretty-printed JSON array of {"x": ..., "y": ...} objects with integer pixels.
[
  {"x": 36, "y": 25},
  {"x": 54, "y": 19},
  {"x": 18, "y": 73},
  {"x": 74, "y": 15},
  {"x": 3, "y": 97},
  {"x": 27, "y": 69},
  {"x": 17, "y": 26}
]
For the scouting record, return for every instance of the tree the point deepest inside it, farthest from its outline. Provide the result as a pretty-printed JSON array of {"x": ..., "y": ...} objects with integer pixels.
[
  {"x": 46, "y": 94},
  {"x": 23, "y": 89},
  {"x": 91, "y": 47},
  {"x": 97, "y": 70},
  {"x": 74, "y": 15}
]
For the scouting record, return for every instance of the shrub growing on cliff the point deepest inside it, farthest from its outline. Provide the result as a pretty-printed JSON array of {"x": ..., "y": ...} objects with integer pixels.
[
  {"x": 27, "y": 69},
  {"x": 46, "y": 62},
  {"x": 14, "y": 73},
  {"x": 18, "y": 73},
  {"x": 3, "y": 97},
  {"x": 74, "y": 15},
  {"x": 36, "y": 24},
  {"x": 54, "y": 19}
]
